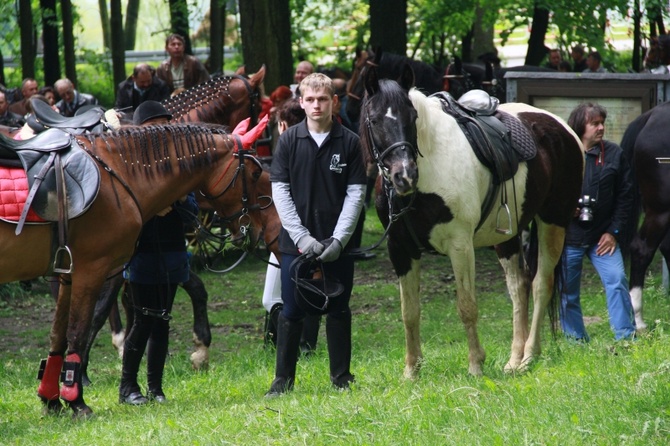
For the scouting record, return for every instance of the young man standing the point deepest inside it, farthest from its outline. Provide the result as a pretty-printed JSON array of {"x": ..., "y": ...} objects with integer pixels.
[
  {"x": 598, "y": 223},
  {"x": 318, "y": 185}
]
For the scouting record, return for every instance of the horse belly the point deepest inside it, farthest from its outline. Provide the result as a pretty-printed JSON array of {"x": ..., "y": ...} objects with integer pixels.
[{"x": 24, "y": 256}]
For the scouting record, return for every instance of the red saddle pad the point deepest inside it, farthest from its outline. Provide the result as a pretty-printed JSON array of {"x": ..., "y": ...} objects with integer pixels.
[{"x": 13, "y": 194}]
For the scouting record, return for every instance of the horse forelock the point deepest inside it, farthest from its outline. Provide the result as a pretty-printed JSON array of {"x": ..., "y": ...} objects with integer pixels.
[{"x": 155, "y": 149}]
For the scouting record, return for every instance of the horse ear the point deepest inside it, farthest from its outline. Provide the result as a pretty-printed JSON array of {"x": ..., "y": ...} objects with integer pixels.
[
  {"x": 458, "y": 65},
  {"x": 378, "y": 55},
  {"x": 406, "y": 80},
  {"x": 371, "y": 80},
  {"x": 241, "y": 71},
  {"x": 258, "y": 76}
]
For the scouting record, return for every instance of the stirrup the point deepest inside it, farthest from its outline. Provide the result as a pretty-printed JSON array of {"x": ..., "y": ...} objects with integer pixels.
[
  {"x": 499, "y": 229},
  {"x": 60, "y": 251}
]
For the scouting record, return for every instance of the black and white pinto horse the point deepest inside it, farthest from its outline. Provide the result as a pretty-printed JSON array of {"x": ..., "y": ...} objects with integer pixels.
[
  {"x": 645, "y": 143},
  {"x": 433, "y": 190}
]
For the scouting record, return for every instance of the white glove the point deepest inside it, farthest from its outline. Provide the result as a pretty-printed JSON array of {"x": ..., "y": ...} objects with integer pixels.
[
  {"x": 310, "y": 246},
  {"x": 332, "y": 251}
]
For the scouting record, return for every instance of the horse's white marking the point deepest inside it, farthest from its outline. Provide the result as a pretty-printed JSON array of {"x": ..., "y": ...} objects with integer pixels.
[
  {"x": 636, "y": 301},
  {"x": 389, "y": 114}
]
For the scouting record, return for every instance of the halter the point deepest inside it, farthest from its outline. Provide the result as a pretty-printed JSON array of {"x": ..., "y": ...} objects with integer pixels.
[{"x": 253, "y": 96}]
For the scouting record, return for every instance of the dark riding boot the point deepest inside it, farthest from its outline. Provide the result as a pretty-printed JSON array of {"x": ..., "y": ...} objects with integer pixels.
[
  {"x": 288, "y": 344},
  {"x": 156, "y": 356},
  {"x": 338, "y": 336},
  {"x": 271, "y": 322},
  {"x": 310, "y": 334},
  {"x": 129, "y": 390}
]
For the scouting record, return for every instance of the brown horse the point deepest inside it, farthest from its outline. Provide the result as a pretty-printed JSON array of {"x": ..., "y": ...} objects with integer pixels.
[{"x": 142, "y": 171}]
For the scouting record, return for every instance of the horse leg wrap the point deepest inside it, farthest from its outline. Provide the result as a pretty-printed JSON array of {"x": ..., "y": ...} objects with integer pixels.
[
  {"x": 49, "y": 373},
  {"x": 71, "y": 377}
]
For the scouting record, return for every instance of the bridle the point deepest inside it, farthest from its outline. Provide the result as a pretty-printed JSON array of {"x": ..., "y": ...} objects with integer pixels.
[{"x": 242, "y": 216}]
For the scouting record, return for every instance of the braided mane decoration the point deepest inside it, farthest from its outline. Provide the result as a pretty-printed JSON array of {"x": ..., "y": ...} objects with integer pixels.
[
  {"x": 208, "y": 95},
  {"x": 148, "y": 149}
]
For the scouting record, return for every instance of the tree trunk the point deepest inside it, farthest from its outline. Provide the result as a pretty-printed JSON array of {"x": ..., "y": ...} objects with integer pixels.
[
  {"x": 68, "y": 41},
  {"x": 179, "y": 22},
  {"x": 130, "y": 30},
  {"x": 466, "y": 46},
  {"x": 217, "y": 29},
  {"x": 482, "y": 33},
  {"x": 28, "y": 49},
  {"x": 537, "y": 51},
  {"x": 118, "y": 53},
  {"x": 50, "y": 41},
  {"x": 104, "y": 21},
  {"x": 388, "y": 27},
  {"x": 266, "y": 38}
]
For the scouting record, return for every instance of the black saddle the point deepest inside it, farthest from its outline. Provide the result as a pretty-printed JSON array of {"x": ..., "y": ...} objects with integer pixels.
[
  {"x": 77, "y": 124},
  {"x": 48, "y": 156}
]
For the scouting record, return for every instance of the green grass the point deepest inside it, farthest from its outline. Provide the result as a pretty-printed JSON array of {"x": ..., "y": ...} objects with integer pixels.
[{"x": 602, "y": 393}]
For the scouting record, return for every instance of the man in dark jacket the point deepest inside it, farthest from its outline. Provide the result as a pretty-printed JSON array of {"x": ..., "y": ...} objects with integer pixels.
[
  {"x": 602, "y": 212},
  {"x": 142, "y": 86},
  {"x": 6, "y": 117},
  {"x": 71, "y": 100},
  {"x": 180, "y": 70}
]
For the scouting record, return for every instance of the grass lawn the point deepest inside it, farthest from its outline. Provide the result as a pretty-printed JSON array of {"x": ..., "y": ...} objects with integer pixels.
[{"x": 601, "y": 393}]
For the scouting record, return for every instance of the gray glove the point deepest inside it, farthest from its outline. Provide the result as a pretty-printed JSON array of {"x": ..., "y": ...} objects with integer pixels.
[
  {"x": 309, "y": 246},
  {"x": 332, "y": 251}
]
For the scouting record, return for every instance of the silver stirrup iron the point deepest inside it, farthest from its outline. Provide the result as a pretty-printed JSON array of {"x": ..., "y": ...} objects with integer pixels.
[
  {"x": 62, "y": 250},
  {"x": 502, "y": 230}
]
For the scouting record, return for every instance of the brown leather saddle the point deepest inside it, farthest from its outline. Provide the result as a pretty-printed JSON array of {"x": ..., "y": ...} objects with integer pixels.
[{"x": 46, "y": 117}]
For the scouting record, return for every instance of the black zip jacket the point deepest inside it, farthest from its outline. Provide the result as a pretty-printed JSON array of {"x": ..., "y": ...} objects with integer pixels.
[{"x": 608, "y": 179}]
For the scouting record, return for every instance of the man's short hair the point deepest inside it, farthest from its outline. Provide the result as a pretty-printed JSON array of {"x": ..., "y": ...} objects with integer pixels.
[
  {"x": 317, "y": 81},
  {"x": 175, "y": 36}
]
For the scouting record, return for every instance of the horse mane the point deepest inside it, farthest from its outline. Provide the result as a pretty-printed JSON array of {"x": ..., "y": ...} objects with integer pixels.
[
  {"x": 148, "y": 149},
  {"x": 208, "y": 95}
]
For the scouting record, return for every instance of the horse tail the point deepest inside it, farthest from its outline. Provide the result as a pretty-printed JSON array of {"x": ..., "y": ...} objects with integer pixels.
[
  {"x": 531, "y": 253},
  {"x": 628, "y": 146}
]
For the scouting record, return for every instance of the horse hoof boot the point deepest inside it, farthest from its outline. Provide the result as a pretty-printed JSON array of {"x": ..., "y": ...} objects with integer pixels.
[
  {"x": 134, "y": 398},
  {"x": 157, "y": 396}
]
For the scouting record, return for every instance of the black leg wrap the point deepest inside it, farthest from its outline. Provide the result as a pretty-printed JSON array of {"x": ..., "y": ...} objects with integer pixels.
[{"x": 71, "y": 373}]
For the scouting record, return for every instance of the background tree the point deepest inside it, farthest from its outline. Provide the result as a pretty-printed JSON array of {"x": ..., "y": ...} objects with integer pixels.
[
  {"x": 50, "y": 41},
  {"x": 118, "y": 53},
  {"x": 265, "y": 27},
  {"x": 130, "y": 30},
  {"x": 104, "y": 24},
  {"x": 68, "y": 41},
  {"x": 388, "y": 27},
  {"x": 217, "y": 20},
  {"x": 179, "y": 22},
  {"x": 537, "y": 50},
  {"x": 27, "y": 39}
]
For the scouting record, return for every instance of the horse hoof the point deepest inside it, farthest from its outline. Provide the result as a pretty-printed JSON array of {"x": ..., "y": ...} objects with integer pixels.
[
  {"x": 52, "y": 407},
  {"x": 200, "y": 359},
  {"x": 80, "y": 411}
]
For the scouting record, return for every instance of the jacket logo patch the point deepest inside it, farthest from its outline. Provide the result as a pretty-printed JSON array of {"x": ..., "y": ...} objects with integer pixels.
[{"x": 335, "y": 165}]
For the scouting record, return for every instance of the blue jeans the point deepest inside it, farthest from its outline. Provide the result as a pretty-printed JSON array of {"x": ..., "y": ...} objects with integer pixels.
[{"x": 610, "y": 268}]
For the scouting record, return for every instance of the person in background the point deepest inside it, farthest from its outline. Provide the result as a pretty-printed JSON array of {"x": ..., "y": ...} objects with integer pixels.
[
  {"x": 564, "y": 67},
  {"x": 159, "y": 265},
  {"x": 578, "y": 59},
  {"x": 49, "y": 93},
  {"x": 302, "y": 70},
  {"x": 8, "y": 118},
  {"x": 601, "y": 215},
  {"x": 28, "y": 88},
  {"x": 71, "y": 100},
  {"x": 142, "y": 85},
  {"x": 593, "y": 62},
  {"x": 318, "y": 186},
  {"x": 554, "y": 59},
  {"x": 180, "y": 70}
]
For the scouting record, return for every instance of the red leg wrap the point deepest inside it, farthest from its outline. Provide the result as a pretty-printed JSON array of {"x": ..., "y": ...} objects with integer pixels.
[
  {"x": 49, "y": 376},
  {"x": 71, "y": 377}
]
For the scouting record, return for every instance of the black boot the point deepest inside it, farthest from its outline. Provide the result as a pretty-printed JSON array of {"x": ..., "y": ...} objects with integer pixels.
[
  {"x": 271, "y": 322},
  {"x": 129, "y": 390},
  {"x": 338, "y": 336},
  {"x": 288, "y": 340},
  {"x": 310, "y": 334},
  {"x": 156, "y": 355}
]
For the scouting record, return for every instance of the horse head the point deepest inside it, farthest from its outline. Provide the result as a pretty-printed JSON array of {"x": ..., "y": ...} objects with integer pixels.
[
  {"x": 388, "y": 128},
  {"x": 233, "y": 193},
  {"x": 224, "y": 100}
]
